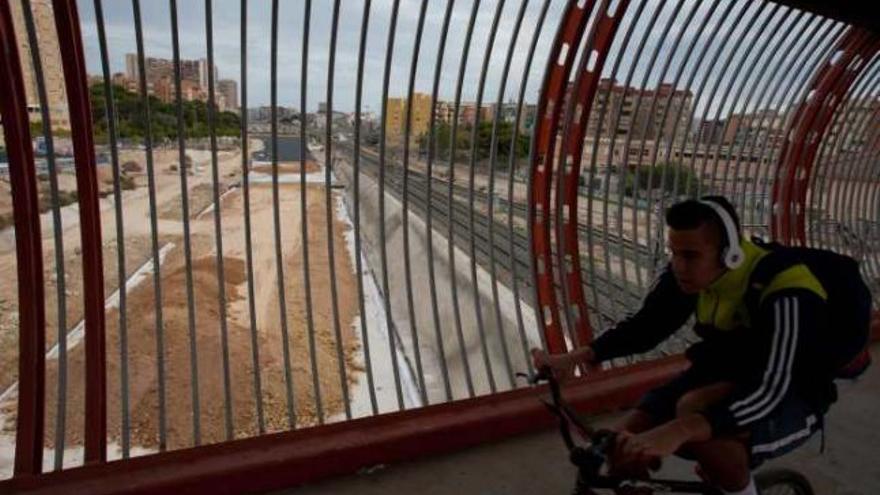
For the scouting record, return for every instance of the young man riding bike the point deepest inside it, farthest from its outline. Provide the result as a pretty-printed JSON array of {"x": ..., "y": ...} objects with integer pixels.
[{"x": 759, "y": 380}]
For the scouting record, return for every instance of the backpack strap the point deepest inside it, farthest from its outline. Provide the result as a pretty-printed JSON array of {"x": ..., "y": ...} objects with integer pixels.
[{"x": 775, "y": 262}]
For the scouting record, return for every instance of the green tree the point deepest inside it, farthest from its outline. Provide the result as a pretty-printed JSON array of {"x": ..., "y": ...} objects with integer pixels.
[
  {"x": 131, "y": 122},
  {"x": 504, "y": 137},
  {"x": 665, "y": 175}
]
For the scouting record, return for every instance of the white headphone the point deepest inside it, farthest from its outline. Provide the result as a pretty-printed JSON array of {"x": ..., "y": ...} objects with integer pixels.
[{"x": 732, "y": 255}]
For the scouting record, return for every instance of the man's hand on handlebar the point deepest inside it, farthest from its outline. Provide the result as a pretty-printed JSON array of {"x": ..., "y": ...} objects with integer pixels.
[{"x": 562, "y": 365}]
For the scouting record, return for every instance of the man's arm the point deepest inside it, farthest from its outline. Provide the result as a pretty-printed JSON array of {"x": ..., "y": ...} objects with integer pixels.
[
  {"x": 665, "y": 309},
  {"x": 787, "y": 328}
]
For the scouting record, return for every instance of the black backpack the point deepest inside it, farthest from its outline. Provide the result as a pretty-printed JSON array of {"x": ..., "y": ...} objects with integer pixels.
[{"x": 849, "y": 299}]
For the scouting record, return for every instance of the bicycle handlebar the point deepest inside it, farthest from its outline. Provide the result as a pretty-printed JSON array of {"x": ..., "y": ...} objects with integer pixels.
[{"x": 591, "y": 458}]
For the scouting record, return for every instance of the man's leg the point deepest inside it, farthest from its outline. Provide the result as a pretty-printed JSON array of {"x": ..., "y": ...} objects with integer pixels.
[
  {"x": 724, "y": 461},
  {"x": 634, "y": 421},
  {"x": 662, "y": 403},
  {"x": 656, "y": 407},
  {"x": 727, "y": 461}
]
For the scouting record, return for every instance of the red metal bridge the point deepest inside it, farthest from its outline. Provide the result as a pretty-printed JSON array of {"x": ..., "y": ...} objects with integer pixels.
[{"x": 338, "y": 254}]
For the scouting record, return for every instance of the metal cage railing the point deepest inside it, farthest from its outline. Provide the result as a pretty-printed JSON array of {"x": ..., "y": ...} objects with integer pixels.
[{"x": 378, "y": 209}]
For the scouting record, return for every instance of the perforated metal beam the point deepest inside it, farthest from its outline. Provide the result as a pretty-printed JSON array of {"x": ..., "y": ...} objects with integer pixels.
[
  {"x": 576, "y": 120},
  {"x": 559, "y": 65}
]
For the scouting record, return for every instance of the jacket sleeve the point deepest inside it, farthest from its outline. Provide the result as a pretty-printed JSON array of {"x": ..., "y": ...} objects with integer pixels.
[
  {"x": 785, "y": 345},
  {"x": 664, "y": 310}
]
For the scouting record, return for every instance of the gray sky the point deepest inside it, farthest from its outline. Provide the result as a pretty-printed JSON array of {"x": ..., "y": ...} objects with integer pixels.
[
  {"x": 656, "y": 18},
  {"x": 227, "y": 42}
]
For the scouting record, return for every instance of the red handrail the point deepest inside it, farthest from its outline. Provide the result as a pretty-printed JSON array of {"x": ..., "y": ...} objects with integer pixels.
[
  {"x": 280, "y": 460},
  {"x": 29, "y": 253}
]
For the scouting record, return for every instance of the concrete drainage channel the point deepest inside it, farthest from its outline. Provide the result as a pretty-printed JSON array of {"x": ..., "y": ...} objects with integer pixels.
[{"x": 422, "y": 327}]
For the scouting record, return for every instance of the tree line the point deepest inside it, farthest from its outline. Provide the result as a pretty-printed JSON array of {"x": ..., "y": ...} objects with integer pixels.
[{"x": 131, "y": 122}]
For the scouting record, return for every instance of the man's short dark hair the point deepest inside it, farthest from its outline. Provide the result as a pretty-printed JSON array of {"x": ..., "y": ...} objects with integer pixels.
[{"x": 691, "y": 214}]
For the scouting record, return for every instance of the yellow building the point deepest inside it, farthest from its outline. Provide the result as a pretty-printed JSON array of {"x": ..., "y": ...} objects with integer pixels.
[
  {"x": 395, "y": 111},
  {"x": 421, "y": 115},
  {"x": 395, "y": 119}
]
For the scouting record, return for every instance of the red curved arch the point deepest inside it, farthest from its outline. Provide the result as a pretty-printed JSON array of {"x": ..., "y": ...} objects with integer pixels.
[
  {"x": 804, "y": 134},
  {"x": 583, "y": 95},
  {"x": 541, "y": 168}
]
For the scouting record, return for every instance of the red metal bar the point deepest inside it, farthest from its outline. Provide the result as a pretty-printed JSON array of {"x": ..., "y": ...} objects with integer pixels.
[
  {"x": 808, "y": 126},
  {"x": 286, "y": 459},
  {"x": 547, "y": 126},
  {"x": 76, "y": 84},
  {"x": 875, "y": 327},
  {"x": 577, "y": 118},
  {"x": 29, "y": 255}
]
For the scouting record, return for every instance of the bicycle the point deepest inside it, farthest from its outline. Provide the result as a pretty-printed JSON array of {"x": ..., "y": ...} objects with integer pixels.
[{"x": 591, "y": 458}]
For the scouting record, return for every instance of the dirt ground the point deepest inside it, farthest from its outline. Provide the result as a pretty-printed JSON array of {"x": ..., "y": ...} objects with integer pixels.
[
  {"x": 141, "y": 322},
  {"x": 199, "y": 198},
  {"x": 5, "y": 197},
  {"x": 136, "y": 247}
]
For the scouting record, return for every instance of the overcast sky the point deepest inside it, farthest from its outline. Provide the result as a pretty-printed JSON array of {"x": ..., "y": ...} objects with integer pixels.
[{"x": 665, "y": 22}]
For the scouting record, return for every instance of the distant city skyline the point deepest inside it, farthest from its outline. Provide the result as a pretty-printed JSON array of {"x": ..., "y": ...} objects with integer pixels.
[
  {"x": 227, "y": 31},
  {"x": 194, "y": 75},
  {"x": 119, "y": 25}
]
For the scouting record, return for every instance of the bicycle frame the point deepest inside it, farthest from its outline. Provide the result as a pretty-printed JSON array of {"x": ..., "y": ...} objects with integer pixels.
[{"x": 590, "y": 459}]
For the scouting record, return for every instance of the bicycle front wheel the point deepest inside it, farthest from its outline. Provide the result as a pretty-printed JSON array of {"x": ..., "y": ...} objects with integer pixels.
[{"x": 782, "y": 482}]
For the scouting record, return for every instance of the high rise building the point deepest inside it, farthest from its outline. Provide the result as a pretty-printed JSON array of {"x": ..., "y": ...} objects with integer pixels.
[
  {"x": 203, "y": 73},
  {"x": 443, "y": 111},
  {"x": 229, "y": 89},
  {"x": 50, "y": 56},
  {"x": 131, "y": 66},
  {"x": 395, "y": 117},
  {"x": 191, "y": 70},
  {"x": 158, "y": 68},
  {"x": 193, "y": 78},
  {"x": 395, "y": 108},
  {"x": 421, "y": 115},
  {"x": 650, "y": 114},
  {"x": 467, "y": 113}
]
